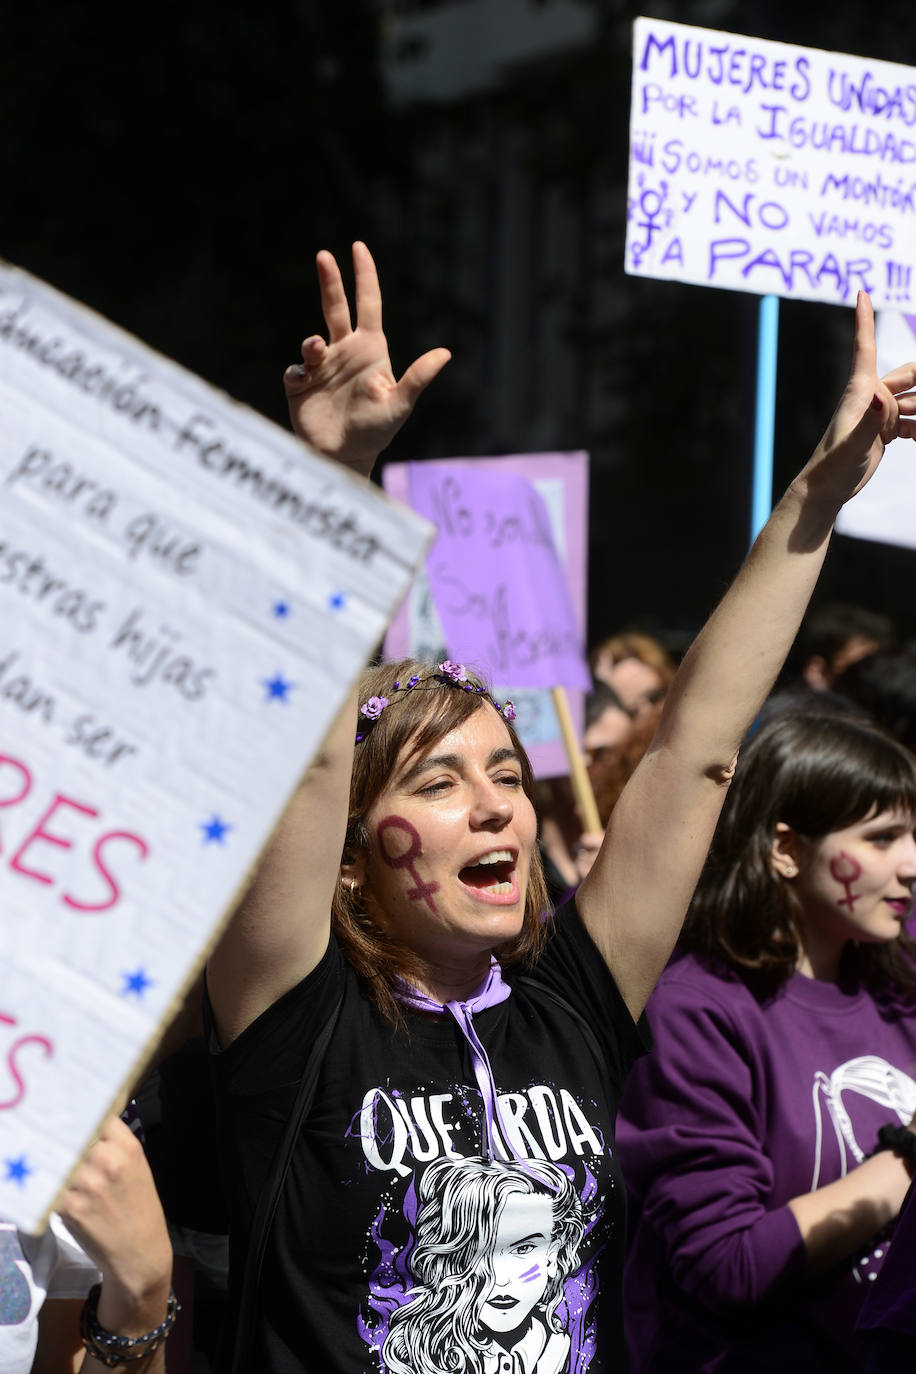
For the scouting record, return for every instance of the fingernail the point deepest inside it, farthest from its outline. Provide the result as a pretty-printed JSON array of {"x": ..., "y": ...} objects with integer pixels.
[
  {"x": 312, "y": 339},
  {"x": 295, "y": 370},
  {"x": 877, "y": 403}
]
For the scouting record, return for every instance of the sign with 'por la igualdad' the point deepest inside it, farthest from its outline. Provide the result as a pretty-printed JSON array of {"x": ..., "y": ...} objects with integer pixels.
[
  {"x": 764, "y": 167},
  {"x": 186, "y": 595}
]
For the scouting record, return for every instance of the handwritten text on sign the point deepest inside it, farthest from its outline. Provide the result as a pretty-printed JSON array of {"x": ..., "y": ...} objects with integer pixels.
[
  {"x": 185, "y": 595},
  {"x": 495, "y": 576},
  {"x": 763, "y": 167},
  {"x": 561, "y": 479}
]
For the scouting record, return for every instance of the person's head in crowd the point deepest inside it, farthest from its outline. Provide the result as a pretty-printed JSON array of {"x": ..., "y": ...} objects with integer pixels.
[
  {"x": 798, "y": 696},
  {"x": 835, "y": 636},
  {"x": 382, "y": 915},
  {"x": 884, "y": 685},
  {"x": 607, "y": 723},
  {"x": 813, "y": 862},
  {"x": 611, "y": 770},
  {"x": 636, "y": 665}
]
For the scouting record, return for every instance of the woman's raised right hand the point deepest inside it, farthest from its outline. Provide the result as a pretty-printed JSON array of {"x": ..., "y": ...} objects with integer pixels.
[
  {"x": 871, "y": 413},
  {"x": 344, "y": 400}
]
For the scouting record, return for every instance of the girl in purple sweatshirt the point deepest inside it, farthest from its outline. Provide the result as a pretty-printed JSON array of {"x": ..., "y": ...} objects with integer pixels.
[{"x": 785, "y": 1040}]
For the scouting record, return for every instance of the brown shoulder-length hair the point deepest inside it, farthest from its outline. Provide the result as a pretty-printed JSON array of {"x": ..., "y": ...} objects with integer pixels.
[
  {"x": 412, "y": 724},
  {"x": 634, "y": 644},
  {"x": 817, "y": 773}
]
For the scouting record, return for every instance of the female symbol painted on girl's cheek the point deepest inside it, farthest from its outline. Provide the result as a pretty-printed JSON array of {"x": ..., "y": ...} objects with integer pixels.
[
  {"x": 846, "y": 869},
  {"x": 390, "y": 848}
]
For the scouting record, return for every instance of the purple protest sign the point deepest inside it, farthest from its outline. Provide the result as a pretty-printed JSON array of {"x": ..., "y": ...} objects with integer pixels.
[
  {"x": 562, "y": 481},
  {"x": 495, "y": 576}
]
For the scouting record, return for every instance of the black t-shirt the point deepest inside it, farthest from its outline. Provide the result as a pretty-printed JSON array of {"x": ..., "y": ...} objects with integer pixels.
[{"x": 398, "y": 1246}]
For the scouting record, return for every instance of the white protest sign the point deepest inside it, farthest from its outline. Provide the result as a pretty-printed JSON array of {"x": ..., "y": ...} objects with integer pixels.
[
  {"x": 186, "y": 596},
  {"x": 765, "y": 167},
  {"x": 885, "y": 510}
]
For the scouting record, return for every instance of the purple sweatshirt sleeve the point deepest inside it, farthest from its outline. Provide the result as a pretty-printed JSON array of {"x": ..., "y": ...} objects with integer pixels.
[{"x": 690, "y": 1139}]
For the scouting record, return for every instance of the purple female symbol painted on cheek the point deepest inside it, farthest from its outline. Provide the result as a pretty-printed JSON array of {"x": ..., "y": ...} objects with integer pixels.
[
  {"x": 846, "y": 869},
  {"x": 423, "y": 892}
]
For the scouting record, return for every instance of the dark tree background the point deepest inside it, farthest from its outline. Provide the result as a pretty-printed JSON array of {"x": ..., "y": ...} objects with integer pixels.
[{"x": 177, "y": 166}]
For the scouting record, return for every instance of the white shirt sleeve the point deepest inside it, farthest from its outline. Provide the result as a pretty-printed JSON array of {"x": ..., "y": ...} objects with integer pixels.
[{"x": 33, "y": 1268}]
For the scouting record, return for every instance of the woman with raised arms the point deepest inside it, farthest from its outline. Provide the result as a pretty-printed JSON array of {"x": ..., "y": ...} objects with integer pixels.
[{"x": 402, "y": 894}]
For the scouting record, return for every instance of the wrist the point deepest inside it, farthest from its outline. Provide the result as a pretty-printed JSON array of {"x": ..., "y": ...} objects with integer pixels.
[
  {"x": 812, "y": 508},
  {"x": 899, "y": 1141},
  {"x": 115, "y": 1347},
  {"x": 360, "y": 467},
  {"x": 132, "y": 1310},
  {"x": 821, "y": 487},
  {"x": 359, "y": 464}
]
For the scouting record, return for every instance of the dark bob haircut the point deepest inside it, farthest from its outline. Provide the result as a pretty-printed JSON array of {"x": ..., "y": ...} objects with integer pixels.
[
  {"x": 817, "y": 773},
  {"x": 411, "y": 725}
]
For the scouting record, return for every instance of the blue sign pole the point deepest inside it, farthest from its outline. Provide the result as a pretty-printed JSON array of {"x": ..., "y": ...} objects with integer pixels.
[{"x": 762, "y": 484}]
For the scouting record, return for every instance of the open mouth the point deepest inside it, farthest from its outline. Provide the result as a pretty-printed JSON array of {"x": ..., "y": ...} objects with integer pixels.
[
  {"x": 900, "y": 905},
  {"x": 504, "y": 1303},
  {"x": 493, "y": 873}
]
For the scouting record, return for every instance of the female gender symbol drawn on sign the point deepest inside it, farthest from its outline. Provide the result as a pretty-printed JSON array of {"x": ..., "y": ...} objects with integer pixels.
[
  {"x": 651, "y": 205},
  {"x": 846, "y": 870},
  {"x": 423, "y": 891}
]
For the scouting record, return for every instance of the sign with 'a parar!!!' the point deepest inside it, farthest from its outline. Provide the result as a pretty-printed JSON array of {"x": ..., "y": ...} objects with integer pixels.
[
  {"x": 764, "y": 167},
  {"x": 186, "y": 595}
]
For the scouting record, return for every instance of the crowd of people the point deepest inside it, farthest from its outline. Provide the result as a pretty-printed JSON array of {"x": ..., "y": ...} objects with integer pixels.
[{"x": 468, "y": 1093}]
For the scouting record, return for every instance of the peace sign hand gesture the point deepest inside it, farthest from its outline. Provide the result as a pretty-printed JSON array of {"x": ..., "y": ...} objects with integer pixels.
[
  {"x": 871, "y": 413},
  {"x": 343, "y": 398}
]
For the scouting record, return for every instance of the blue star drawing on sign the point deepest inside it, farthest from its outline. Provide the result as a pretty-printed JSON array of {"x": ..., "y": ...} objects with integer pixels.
[
  {"x": 281, "y": 609},
  {"x": 17, "y": 1171},
  {"x": 215, "y": 830},
  {"x": 278, "y": 687},
  {"x": 135, "y": 983},
  {"x": 337, "y": 601}
]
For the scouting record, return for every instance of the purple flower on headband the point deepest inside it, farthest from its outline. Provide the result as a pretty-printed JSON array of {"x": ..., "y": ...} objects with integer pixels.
[
  {"x": 373, "y": 708},
  {"x": 508, "y": 712},
  {"x": 455, "y": 672},
  {"x": 413, "y": 681}
]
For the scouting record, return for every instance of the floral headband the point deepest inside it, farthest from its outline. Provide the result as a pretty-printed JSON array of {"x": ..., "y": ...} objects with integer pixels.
[{"x": 449, "y": 675}]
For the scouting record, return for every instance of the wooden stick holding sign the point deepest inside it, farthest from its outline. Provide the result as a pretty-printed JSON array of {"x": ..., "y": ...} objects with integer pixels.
[{"x": 578, "y": 773}]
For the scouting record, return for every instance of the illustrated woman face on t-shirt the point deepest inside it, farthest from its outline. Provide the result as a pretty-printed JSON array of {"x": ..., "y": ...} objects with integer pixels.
[
  {"x": 494, "y": 1244},
  {"x": 523, "y": 1258}
]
